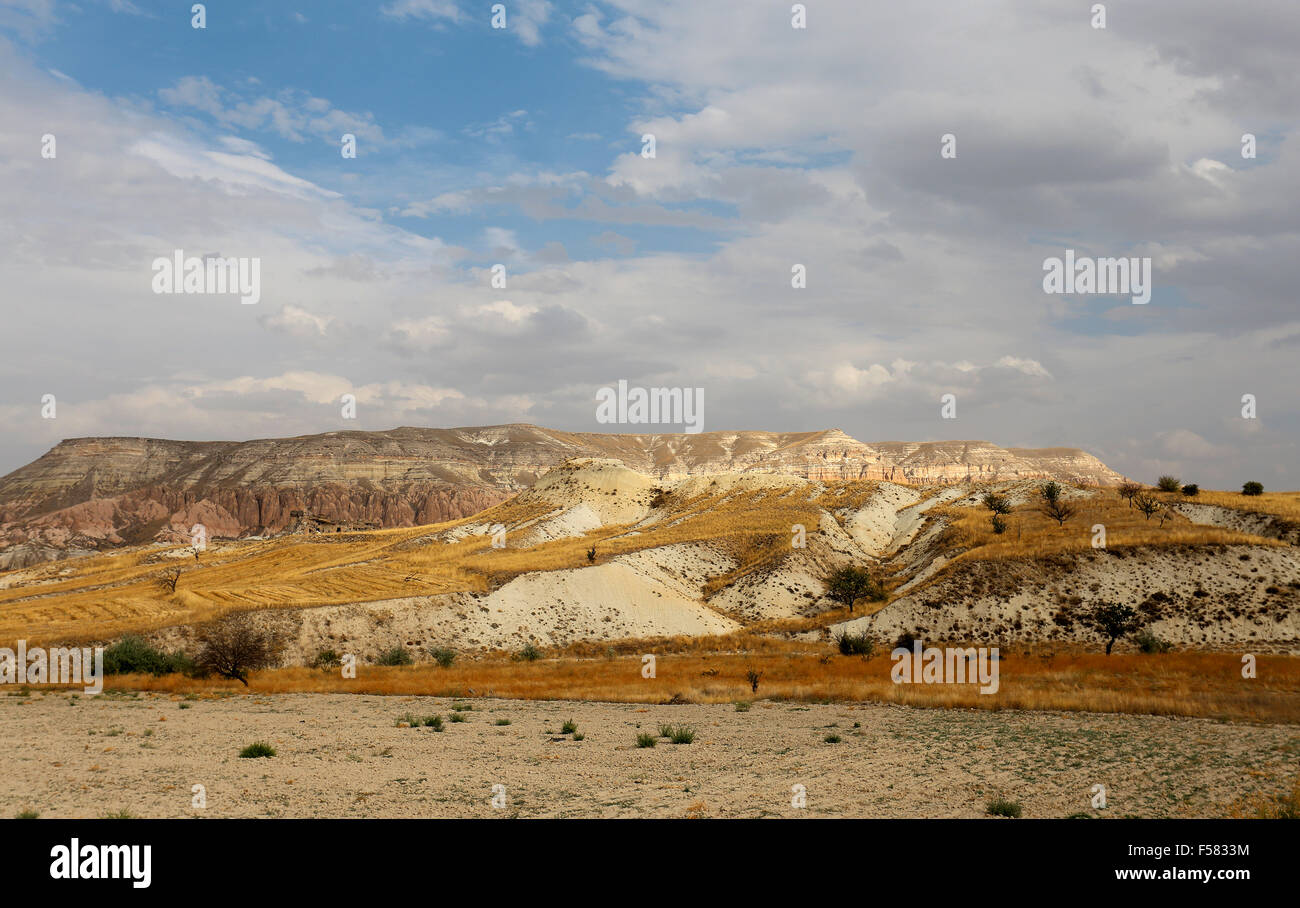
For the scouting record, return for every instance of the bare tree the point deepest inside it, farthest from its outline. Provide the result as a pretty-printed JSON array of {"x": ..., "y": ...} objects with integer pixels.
[
  {"x": 1128, "y": 491},
  {"x": 1147, "y": 504},
  {"x": 168, "y": 579},
  {"x": 1058, "y": 510},
  {"x": 234, "y": 646}
]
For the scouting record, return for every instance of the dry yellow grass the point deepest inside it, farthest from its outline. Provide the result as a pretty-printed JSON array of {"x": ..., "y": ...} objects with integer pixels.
[
  {"x": 1279, "y": 504},
  {"x": 1175, "y": 684},
  {"x": 1031, "y": 534}
]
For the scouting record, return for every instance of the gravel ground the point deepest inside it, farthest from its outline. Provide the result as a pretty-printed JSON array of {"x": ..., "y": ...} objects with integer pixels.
[{"x": 344, "y": 756}]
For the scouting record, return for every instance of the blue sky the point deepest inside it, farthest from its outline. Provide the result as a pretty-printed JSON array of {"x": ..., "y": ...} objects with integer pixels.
[{"x": 775, "y": 147}]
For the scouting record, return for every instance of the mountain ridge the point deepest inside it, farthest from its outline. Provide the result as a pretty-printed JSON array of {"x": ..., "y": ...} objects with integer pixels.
[{"x": 103, "y": 491}]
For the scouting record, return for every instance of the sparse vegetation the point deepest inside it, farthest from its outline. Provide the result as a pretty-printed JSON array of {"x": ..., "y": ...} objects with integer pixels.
[
  {"x": 832, "y": 738},
  {"x": 646, "y": 740},
  {"x": 682, "y": 734},
  {"x": 1128, "y": 491},
  {"x": 257, "y": 750},
  {"x": 167, "y": 580},
  {"x": 398, "y": 655},
  {"x": 1148, "y": 642},
  {"x": 27, "y": 815},
  {"x": 753, "y": 677},
  {"x": 569, "y": 727},
  {"x": 444, "y": 656},
  {"x": 529, "y": 652},
  {"x": 856, "y": 644},
  {"x": 1053, "y": 505},
  {"x": 327, "y": 660},
  {"x": 1003, "y": 807}
]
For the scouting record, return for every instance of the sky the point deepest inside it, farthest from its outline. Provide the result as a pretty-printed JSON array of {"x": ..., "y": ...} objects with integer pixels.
[{"x": 774, "y": 146}]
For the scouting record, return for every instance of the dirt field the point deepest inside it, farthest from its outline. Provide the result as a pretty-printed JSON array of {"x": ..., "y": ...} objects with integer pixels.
[{"x": 344, "y": 756}]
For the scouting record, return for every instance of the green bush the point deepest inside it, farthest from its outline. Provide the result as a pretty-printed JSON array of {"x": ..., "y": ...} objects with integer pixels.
[
  {"x": 1148, "y": 642},
  {"x": 682, "y": 734},
  {"x": 645, "y": 740},
  {"x": 1169, "y": 483},
  {"x": 569, "y": 727},
  {"x": 855, "y": 644},
  {"x": 327, "y": 659},
  {"x": 443, "y": 656},
  {"x": 1252, "y": 488},
  {"x": 257, "y": 749},
  {"x": 398, "y": 655},
  {"x": 133, "y": 654},
  {"x": 530, "y": 653},
  {"x": 832, "y": 738},
  {"x": 1191, "y": 490}
]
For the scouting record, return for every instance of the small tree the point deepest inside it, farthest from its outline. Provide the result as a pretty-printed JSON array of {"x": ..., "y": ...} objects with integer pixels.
[
  {"x": 847, "y": 585},
  {"x": 168, "y": 579},
  {"x": 234, "y": 646},
  {"x": 1054, "y": 506},
  {"x": 1252, "y": 488},
  {"x": 1128, "y": 491},
  {"x": 1147, "y": 504},
  {"x": 1113, "y": 621},
  {"x": 999, "y": 525},
  {"x": 753, "y": 677},
  {"x": 998, "y": 504},
  {"x": 1191, "y": 490},
  {"x": 1169, "y": 483}
]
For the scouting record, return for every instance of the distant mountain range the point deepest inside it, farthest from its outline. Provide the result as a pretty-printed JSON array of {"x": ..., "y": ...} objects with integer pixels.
[{"x": 93, "y": 493}]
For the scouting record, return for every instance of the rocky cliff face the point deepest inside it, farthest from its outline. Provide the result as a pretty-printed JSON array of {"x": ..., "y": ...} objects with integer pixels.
[{"x": 89, "y": 493}]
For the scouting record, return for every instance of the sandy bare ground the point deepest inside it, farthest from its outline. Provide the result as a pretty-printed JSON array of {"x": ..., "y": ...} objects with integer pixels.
[{"x": 343, "y": 756}]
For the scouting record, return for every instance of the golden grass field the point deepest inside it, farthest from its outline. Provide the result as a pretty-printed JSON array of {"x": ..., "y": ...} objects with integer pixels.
[{"x": 1207, "y": 685}]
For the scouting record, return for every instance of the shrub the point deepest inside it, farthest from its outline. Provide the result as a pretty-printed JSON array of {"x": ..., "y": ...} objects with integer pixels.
[
  {"x": 999, "y": 525},
  {"x": 257, "y": 749},
  {"x": 578, "y": 736},
  {"x": 1191, "y": 490},
  {"x": 458, "y": 717},
  {"x": 569, "y": 727},
  {"x": 443, "y": 656},
  {"x": 665, "y": 731},
  {"x": 998, "y": 504},
  {"x": 27, "y": 815},
  {"x": 832, "y": 738},
  {"x": 742, "y": 706},
  {"x": 645, "y": 740},
  {"x": 435, "y": 722},
  {"x": 1001, "y": 807},
  {"x": 398, "y": 655},
  {"x": 682, "y": 734},
  {"x": 753, "y": 677},
  {"x": 502, "y": 722},
  {"x": 1252, "y": 488},
  {"x": 855, "y": 644},
  {"x": 530, "y": 652},
  {"x": 1050, "y": 491},
  {"x": 327, "y": 659},
  {"x": 905, "y": 640},
  {"x": 133, "y": 654},
  {"x": 1148, "y": 642},
  {"x": 234, "y": 646},
  {"x": 1169, "y": 483}
]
